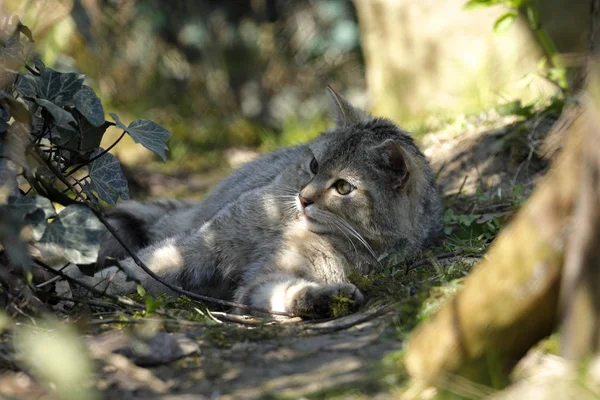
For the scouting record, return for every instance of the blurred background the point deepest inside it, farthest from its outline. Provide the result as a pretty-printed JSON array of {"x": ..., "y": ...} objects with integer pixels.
[{"x": 232, "y": 78}]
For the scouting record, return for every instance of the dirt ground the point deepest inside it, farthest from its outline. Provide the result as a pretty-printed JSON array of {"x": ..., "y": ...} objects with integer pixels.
[{"x": 357, "y": 356}]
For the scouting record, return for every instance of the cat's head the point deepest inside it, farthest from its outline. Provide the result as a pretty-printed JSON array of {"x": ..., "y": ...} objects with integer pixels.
[{"x": 369, "y": 182}]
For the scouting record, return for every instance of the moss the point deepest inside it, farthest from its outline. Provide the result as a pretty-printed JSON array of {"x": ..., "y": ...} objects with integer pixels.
[
  {"x": 341, "y": 305},
  {"x": 225, "y": 335}
]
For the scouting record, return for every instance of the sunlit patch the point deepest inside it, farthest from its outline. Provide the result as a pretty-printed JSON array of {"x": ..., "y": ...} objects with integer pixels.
[
  {"x": 290, "y": 257},
  {"x": 271, "y": 209},
  {"x": 283, "y": 294},
  {"x": 208, "y": 235},
  {"x": 166, "y": 258}
]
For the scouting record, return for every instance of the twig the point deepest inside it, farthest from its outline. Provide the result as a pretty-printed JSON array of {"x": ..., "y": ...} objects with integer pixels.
[
  {"x": 139, "y": 262},
  {"x": 77, "y": 182},
  {"x": 339, "y": 324},
  {"x": 238, "y": 319},
  {"x": 176, "y": 322},
  {"x": 97, "y": 156},
  {"x": 93, "y": 303},
  {"x": 462, "y": 185},
  {"x": 119, "y": 299},
  {"x": 434, "y": 257}
]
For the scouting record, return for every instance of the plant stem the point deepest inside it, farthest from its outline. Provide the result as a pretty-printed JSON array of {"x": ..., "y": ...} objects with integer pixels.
[{"x": 77, "y": 168}]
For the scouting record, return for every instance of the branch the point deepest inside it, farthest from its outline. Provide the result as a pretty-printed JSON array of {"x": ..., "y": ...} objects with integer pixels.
[
  {"x": 119, "y": 299},
  {"x": 352, "y": 320}
]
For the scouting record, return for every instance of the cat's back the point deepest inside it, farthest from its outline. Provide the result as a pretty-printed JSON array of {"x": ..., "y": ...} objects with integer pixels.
[{"x": 253, "y": 176}]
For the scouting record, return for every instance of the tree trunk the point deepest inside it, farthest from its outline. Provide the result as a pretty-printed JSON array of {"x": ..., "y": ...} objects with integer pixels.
[{"x": 510, "y": 301}]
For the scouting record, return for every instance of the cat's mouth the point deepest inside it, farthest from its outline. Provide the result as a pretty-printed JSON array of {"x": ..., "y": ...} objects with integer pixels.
[{"x": 313, "y": 224}]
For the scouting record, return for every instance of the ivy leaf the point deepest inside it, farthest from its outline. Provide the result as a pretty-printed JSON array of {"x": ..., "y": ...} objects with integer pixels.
[
  {"x": 62, "y": 118},
  {"x": 89, "y": 105},
  {"x": 16, "y": 109},
  {"x": 504, "y": 22},
  {"x": 149, "y": 134},
  {"x": 4, "y": 117},
  {"x": 107, "y": 179},
  {"x": 11, "y": 53},
  {"x": 15, "y": 144},
  {"x": 91, "y": 136},
  {"x": 10, "y": 238},
  {"x": 82, "y": 20},
  {"x": 74, "y": 235},
  {"x": 8, "y": 176},
  {"x": 57, "y": 87},
  {"x": 34, "y": 211},
  {"x": 27, "y": 85},
  {"x": 25, "y": 31},
  {"x": 118, "y": 121}
]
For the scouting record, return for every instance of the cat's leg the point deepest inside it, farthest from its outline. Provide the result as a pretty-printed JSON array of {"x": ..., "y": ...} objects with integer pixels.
[
  {"x": 283, "y": 292},
  {"x": 133, "y": 221},
  {"x": 167, "y": 259}
]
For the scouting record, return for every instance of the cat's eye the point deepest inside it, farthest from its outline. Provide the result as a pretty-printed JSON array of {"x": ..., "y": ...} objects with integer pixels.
[
  {"x": 314, "y": 166},
  {"x": 343, "y": 187}
]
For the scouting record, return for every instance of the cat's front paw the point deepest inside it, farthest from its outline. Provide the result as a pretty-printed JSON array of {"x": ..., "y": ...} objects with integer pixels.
[{"x": 328, "y": 301}]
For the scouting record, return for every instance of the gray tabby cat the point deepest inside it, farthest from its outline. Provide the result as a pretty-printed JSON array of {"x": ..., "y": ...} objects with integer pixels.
[{"x": 285, "y": 231}]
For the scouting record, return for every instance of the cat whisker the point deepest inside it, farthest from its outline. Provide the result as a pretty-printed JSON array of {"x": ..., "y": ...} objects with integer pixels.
[
  {"x": 335, "y": 220},
  {"x": 287, "y": 190},
  {"x": 354, "y": 233},
  {"x": 333, "y": 223}
]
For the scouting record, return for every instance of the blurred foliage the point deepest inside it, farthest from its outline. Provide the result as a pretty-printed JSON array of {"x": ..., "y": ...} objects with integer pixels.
[
  {"x": 549, "y": 66},
  {"x": 55, "y": 354},
  {"x": 51, "y": 126},
  {"x": 215, "y": 73},
  {"x": 54, "y": 178}
]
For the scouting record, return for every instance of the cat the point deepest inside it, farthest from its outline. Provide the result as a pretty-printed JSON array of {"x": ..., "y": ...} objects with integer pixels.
[{"x": 285, "y": 231}]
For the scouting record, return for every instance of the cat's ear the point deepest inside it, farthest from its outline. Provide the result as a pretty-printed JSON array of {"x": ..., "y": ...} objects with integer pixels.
[
  {"x": 397, "y": 159},
  {"x": 344, "y": 113}
]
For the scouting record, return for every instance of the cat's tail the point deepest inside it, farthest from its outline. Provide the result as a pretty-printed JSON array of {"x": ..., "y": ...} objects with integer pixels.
[{"x": 133, "y": 221}]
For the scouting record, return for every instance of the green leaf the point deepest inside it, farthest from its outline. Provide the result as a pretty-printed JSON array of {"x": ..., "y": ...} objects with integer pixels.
[
  {"x": 559, "y": 75},
  {"x": 8, "y": 175},
  {"x": 74, "y": 234},
  {"x": 516, "y": 4},
  {"x": 504, "y": 22},
  {"x": 10, "y": 237},
  {"x": 58, "y": 88},
  {"x": 34, "y": 211},
  {"x": 107, "y": 179},
  {"x": 25, "y": 31},
  {"x": 4, "y": 117},
  {"x": 11, "y": 53},
  {"x": 83, "y": 22},
  {"x": 16, "y": 109},
  {"x": 91, "y": 136},
  {"x": 89, "y": 105},
  {"x": 149, "y": 134},
  {"x": 118, "y": 121},
  {"x": 16, "y": 141},
  {"x": 511, "y": 108},
  {"x": 84, "y": 141},
  {"x": 62, "y": 118},
  {"x": 473, "y": 4},
  {"x": 27, "y": 85},
  {"x": 533, "y": 16}
]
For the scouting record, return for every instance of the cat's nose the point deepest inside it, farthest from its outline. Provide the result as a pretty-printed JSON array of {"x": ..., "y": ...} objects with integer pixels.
[{"x": 304, "y": 201}]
